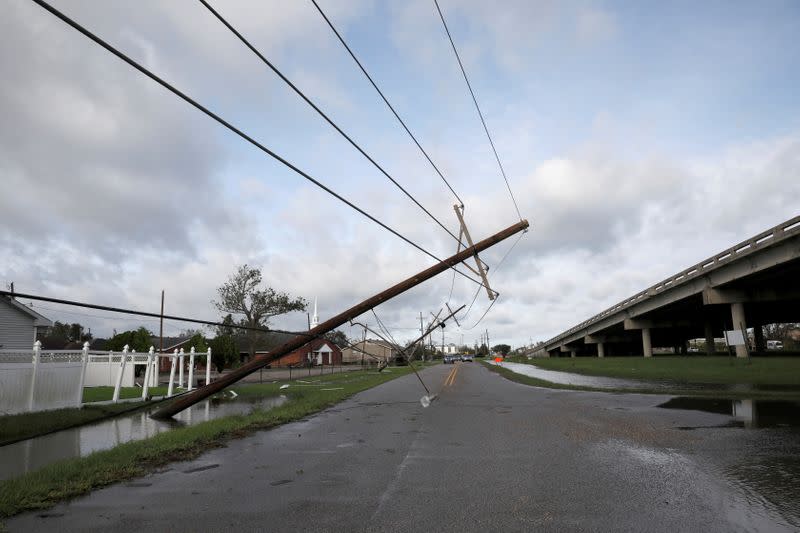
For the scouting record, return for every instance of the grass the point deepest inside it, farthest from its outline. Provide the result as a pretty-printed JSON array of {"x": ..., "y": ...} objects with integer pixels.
[
  {"x": 676, "y": 391},
  {"x": 692, "y": 369},
  {"x": 100, "y": 394},
  {"x": 74, "y": 477}
]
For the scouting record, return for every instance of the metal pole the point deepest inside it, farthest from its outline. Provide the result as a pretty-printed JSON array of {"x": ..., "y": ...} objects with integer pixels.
[{"x": 248, "y": 368}]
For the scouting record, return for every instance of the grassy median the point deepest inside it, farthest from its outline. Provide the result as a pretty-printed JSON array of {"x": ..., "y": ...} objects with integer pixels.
[
  {"x": 762, "y": 390},
  {"x": 687, "y": 369},
  {"x": 73, "y": 477}
]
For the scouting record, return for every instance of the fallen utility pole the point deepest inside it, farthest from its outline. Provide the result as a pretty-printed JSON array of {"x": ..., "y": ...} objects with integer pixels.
[{"x": 300, "y": 340}]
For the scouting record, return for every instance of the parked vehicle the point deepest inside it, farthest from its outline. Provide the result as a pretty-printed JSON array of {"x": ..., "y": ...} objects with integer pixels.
[{"x": 774, "y": 345}]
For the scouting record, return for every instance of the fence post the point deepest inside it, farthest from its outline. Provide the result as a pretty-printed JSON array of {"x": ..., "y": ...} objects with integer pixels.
[
  {"x": 37, "y": 353},
  {"x": 84, "y": 362},
  {"x": 147, "y": 371},
  {"x": 190, "y": 385},
  {"x": 122, "y": 360},
  {"x": 156, "y": 369},
  {"x": 174, "y": 359},
  {"x": 180, "y": 372},
  {"x": 208, "y": 367}
]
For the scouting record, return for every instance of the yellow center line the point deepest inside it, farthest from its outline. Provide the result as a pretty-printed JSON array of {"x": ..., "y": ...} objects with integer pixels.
[{"x": 451, "y": 378}]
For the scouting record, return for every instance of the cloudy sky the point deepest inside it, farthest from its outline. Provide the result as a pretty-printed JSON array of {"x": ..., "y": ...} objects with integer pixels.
[{"x": 638, "y": 138}]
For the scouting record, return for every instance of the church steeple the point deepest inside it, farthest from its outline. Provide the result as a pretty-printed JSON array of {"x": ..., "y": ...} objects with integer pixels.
[{"x": 315, "y": 318}]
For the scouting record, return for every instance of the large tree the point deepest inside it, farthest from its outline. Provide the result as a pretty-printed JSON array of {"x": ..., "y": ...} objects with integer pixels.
[{"x": 242, "y": 295}]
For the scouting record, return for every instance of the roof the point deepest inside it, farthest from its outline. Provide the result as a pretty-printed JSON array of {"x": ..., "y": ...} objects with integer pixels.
[{"x": 38, "y": 320}]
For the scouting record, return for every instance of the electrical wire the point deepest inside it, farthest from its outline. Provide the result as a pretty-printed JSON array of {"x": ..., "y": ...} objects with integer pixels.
[
  {"x": 320, "y": 112},
  {"x": 391, "y": 108},
  {"x": 480, "y": 114},
  {"x": 87, "y": 33},
  {"x": 147, "y": 314}
]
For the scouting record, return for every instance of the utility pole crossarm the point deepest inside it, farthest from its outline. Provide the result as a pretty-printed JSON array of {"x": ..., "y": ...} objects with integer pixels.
[
  {"x": 481, "y": 269},
  {"x": 195, "y": 396}
]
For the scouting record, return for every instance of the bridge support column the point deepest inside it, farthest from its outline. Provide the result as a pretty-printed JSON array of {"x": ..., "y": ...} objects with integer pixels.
[
  {"x": 647, "y": 346},
  {"x": 758, "y": 336},
  {"x": 573, "y": 353},
  {"x": 737, "y": 317},
  {"x": 710, "y": 346},
  {"x": 601, "y": 349}
]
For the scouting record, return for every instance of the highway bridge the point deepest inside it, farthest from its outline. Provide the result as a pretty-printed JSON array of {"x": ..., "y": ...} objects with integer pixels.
[{"x": 753, "y": 283}]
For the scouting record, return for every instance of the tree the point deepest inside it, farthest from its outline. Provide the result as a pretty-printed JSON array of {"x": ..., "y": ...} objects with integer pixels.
[
  {"x": 242, "y": 295},
  {"x": 199, "y": 343},
  {"x": 138, "y": 340},
  {"x": 502, "y": 348},
  {"x": 483, "y": 350},
  {"x": 338, "y": 338},
  {"x": 224, "y": 351}
]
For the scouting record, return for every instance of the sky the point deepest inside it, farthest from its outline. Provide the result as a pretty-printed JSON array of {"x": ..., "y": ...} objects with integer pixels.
[{"x": 638, "y": 139}]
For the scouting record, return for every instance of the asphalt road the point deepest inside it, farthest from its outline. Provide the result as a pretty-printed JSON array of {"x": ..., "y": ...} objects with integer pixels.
[{"x": 488, "y": 455}]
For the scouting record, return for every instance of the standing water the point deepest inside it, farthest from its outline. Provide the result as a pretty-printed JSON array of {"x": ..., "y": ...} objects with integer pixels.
[{"x": 29, "y": 455}]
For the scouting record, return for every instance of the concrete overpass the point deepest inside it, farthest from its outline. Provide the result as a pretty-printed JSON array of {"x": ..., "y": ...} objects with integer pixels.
[{"x": 754, "y": 283}]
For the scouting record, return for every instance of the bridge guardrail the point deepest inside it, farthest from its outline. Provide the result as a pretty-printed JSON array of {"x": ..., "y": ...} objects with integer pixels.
[{"x": 765, "y": 238}]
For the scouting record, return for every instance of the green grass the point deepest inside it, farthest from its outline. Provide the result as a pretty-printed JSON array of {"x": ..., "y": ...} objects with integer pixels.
[
  {"x": 676, "y": 391},
  {"x": 73, "y": 477},
  {"x": 691, "y": 369},
  {"x": 100, "y": 394},
  {"x": 27, "y": 425}
]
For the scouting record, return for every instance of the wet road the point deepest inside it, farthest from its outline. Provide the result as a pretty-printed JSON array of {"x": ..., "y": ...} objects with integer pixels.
[{"x": 488, "y": 455}]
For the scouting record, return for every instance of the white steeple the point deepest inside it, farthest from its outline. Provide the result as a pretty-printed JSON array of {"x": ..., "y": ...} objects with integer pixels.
[{"x": 315, "y": 318}]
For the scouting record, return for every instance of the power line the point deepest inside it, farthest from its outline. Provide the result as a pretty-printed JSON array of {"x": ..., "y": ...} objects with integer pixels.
[
  {"x": 320, "y": 112},
  {"x": 480, "y": 114},
  {"x": 341, "y": 40},
  {"x": 145, "y": 313},
  {"x": 75, "y": 25}
]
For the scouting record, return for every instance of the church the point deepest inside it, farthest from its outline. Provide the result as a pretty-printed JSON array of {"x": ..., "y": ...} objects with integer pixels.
[{"x": 316, "y": 353}]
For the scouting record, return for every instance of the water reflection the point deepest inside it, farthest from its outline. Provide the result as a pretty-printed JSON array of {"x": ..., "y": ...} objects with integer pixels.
[
  {"x": 32, "y": 454},
  {"x": 745, "y": 413}
]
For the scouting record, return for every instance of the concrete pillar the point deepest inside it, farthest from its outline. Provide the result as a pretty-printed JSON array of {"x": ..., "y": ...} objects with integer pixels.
[
  {"x": 710, "y": 347},
  {"x": 758, "y": 335},
  {"x": 739, "y": 324},
  {"x": 573, "y": 353},
  {"x": 647, "y": 347},
  {"x": 601, "y": 350}
]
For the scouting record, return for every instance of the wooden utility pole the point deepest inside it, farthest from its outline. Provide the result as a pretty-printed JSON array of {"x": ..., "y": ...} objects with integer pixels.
[
  {"x": 191, "y": 398},
  {"x": 161, "y": 329}
]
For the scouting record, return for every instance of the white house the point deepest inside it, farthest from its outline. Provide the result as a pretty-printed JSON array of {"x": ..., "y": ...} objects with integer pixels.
[{"x": 19, "y": 325}]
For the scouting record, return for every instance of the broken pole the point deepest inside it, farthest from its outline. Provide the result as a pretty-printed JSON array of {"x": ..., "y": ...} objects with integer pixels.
[{"x": 191, "y": 398}]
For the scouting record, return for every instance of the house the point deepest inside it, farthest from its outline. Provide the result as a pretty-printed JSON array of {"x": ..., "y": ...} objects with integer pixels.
[
  {"x": 450, "y": 349},
  {"x": 370, "y": 351},
  {"x": 318, "y": 352},
  {"x": 19, "y": 325}
]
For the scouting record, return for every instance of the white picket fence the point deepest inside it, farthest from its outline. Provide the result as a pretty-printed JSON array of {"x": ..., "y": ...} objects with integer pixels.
[{"x": 37, "y": 380}]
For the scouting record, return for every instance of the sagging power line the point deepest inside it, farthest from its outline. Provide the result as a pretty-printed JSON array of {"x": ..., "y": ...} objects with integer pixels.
[
  {"x": 383, "y": 97},
  {"x": 96, "y": 39},
  {"x": 321, "y": 113},
  {"x": 145, "y": 313},
  {"x": 480, "y": 114}
]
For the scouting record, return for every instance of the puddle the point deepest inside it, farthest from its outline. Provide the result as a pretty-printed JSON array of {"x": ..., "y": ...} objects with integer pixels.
[
  {"x": 745, "y": 413},
  {"x": 29, "y": 455}
]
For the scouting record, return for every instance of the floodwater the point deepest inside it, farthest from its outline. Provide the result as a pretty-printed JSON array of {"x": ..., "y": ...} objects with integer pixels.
[
  {"x": 29, "y": 455},
  {"x": 744, "y": 413},
  {"x": 766, "y": 469},
  {"x": 579, "y": 380}
]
